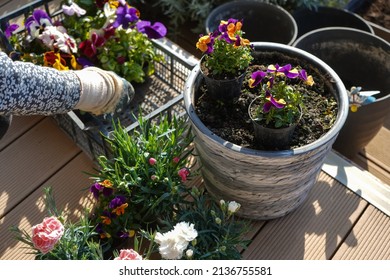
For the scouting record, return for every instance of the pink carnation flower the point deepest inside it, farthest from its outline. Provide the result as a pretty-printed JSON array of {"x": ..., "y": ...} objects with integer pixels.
[
  {"x": 152, "y": 161},
  {"x": 128, "y": 254},
  {"x": 46, "y": 234},
  {"x": 183, "y": 173}
]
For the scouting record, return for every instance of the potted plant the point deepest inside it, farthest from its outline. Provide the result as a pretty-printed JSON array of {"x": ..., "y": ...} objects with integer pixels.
[
  {"x": 227, "y": 55},
  {"x": 267, "y": 183},
  {"x": 277, "y": 108}
]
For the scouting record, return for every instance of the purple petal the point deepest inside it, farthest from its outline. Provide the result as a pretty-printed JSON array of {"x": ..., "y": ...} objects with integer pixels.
[
  {"x": 276, "y": 103},
  {"x": 303, "y": 75},
  {"x": 155, "y": 31},
  {"x": 257, "y": 77},
  {"x": 267, "y": 106},
  {"x": 10, "y": 29}
]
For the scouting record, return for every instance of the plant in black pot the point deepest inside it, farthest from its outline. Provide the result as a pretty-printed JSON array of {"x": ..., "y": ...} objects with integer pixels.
[
  {"x": 227, "y": 55},
  {"x": 277, "y": 108},
  {"x": 268, "y": 183}
]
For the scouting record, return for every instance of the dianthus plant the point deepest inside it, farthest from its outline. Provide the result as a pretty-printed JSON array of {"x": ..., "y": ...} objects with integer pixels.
[{"x": 143, "y": 181}]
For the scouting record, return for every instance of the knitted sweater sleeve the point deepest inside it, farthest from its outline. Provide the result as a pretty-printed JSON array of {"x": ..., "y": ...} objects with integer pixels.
[{"x": 29, "y": 89}]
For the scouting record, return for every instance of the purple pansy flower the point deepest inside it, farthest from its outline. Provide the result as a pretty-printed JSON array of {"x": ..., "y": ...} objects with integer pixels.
[
  {"x": 124, "y": 16},
  {"x": 155, "y": 31},
  {"x": 95, "y": 189},
  {"x": 286, "y": 70},
  {"x": 256, "y": 78},
  {"x": 37, "y": 22},
  {"x": 272, "y": 102},
  {"x": 11, "y": 28},
  {"x": 117, "y": 201}
]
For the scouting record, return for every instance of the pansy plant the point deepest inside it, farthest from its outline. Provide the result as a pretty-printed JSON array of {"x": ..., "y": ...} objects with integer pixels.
[
  {"x": 226, "y": 52},
  {"x": 280, "y": 96},
  {"x": 107, "y": 34}
]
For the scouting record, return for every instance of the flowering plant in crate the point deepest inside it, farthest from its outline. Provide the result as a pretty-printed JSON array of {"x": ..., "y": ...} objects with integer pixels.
[{"x": 106, "y": 34}]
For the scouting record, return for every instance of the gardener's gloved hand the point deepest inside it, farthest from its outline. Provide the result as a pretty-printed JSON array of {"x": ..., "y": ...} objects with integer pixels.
[{"x": 103, "y": 91}]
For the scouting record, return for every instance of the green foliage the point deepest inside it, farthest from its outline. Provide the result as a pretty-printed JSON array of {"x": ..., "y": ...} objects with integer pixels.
[
  {"x": 220, "y": 234},
  {"x": 228, "y": 59},
  {"x": 136, "y": 50},
  {"x": 144, "y": 169}
]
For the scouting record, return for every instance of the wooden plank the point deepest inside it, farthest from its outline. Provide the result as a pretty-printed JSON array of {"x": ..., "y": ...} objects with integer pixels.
[
  {"x": 30, "y": 160},
  {"x": 379, "y": 147},
  {"x": 314, "y": 230},
  {"x": 359, "y": 181},
  {"x": 369, "y": 239},
  {"x": 372, "y": 165},
  {"x": 69, "y": 189},
  {"x": 19, "y": 125}
]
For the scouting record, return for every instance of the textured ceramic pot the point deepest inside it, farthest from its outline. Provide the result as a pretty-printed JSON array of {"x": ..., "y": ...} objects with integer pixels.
[
  {"x": 360, "y": 59},
  {"x": 267, "y": 184},
  {"x": 262, "y": 21}
]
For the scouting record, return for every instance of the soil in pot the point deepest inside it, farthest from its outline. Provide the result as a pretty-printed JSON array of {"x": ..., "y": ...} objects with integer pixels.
[{"x": 230, "y": 120}]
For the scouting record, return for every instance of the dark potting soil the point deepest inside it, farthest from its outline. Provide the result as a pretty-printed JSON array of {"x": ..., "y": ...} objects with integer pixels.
[{"x": 231, "y": 122}]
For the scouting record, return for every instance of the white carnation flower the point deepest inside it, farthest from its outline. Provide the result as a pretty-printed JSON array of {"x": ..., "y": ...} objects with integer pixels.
[
  {"x": 174, "y": 242},
  {"x": 233, "y": 207},
  {"x": 171, "y": 244},
  {"x": 186, "y": 230}
]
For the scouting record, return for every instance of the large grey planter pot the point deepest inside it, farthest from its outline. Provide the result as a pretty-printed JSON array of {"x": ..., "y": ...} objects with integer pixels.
[
  {"x": 360, "y": 59},
  {"x": 261, "y": 21},
  {"x": 267, "y": 184},
  {"x": 311, "y": 19}
]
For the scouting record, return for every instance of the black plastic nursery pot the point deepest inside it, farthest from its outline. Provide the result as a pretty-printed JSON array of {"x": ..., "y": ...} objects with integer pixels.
[
  {"x": 311, "y": 19},
  {"x": 247, "y": 176},
  {"x": 261, "y": 21},
  {"x": 360, "y": 59}
]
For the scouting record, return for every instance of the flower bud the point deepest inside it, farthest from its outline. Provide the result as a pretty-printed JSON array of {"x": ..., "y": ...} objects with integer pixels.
[
  {"x": 233, "y": 207},
  {"x": 189, "y": 253}
]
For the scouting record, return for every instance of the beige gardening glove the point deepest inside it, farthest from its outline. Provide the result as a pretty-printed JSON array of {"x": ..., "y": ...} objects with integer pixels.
[{"x": 103, "y": 91}]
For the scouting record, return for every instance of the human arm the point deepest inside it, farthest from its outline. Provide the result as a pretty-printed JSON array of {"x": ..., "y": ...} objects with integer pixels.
[{"x": 29, "y": 89}]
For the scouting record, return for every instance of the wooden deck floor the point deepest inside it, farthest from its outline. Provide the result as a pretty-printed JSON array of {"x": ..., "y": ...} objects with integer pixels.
[{"x": 335, "y": 222}]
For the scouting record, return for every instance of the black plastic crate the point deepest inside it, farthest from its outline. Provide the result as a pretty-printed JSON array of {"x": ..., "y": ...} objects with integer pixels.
[{"x": 162, "y": 93}]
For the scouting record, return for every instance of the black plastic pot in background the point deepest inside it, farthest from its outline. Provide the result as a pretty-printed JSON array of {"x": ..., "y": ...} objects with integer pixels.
[
  {"x": 311, "y": 19},
  {"x": 360, "y": 59},
  {"x": 262, "y": 22}
]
